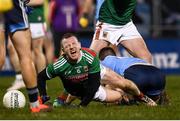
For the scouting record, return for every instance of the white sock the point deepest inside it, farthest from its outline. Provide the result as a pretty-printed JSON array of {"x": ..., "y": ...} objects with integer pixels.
[
  {"x": 34, "y": 104},
  {"x": 19, "y": 77}
]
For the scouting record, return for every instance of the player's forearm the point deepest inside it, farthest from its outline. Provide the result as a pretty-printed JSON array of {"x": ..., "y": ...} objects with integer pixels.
[
  {"x": 91, "y": 85},
  {"x": 42, "y": 77}
]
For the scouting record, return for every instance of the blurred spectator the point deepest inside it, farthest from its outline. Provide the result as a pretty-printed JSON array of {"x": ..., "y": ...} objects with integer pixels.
[{"x": 63, "y": 18}]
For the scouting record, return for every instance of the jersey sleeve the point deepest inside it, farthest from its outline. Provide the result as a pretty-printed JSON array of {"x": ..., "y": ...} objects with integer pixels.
[
  {"x": 93, "y": 60},
  {"x": 50, "y": 71},
  {"x": 95, "y": 66}
]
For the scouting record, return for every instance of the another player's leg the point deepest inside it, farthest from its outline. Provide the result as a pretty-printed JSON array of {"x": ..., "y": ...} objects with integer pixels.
[
  {"x": 108, "y": 95},
  {"x": 17, "y": 25},
  {"x": 2, "y": 42},
  {"x": 40, "y": 60},
  {"x": 23, "y": 46},
  {"x": 126, "y": 85},
  {"x": 2, "y": 48},
  {"x": 18, "y": 82},
  {"x": 137, "y": 48},
  {"x": 49, "y": 48}
]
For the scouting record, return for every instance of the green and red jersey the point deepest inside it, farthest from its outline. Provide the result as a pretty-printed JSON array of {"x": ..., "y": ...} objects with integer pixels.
[{"x": 81, "y": 78}]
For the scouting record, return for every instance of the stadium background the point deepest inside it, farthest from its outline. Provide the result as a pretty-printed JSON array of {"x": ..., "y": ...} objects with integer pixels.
[{"x": 158, "y": 21}]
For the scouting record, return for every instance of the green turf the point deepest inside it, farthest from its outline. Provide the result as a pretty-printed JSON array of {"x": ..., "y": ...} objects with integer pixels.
[{"x": 96, "y": 110}]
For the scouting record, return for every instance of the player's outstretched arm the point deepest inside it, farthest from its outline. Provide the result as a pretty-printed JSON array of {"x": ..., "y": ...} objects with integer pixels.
[
  {"x": 91, "y": 85},
  {"x": 42, "y": 77}
]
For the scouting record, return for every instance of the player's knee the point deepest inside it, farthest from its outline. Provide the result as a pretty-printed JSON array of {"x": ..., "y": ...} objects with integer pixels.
[
  {"x": 147, "y": 57},
  {"x": 25, "y": 56},
  {"x": 37, "y": 51},
  {"x": 10, "y": 48}
]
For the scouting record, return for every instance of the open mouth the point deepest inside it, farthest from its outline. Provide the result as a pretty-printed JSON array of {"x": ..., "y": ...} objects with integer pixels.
[{"x": 73, "y": 53}]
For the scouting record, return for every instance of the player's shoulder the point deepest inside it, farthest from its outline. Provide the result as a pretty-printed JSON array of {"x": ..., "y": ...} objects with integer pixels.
[
  {"x": 89, "y": 55},
  {"x": 60, "y": 62},
  {"x": 89, "y": 52}
]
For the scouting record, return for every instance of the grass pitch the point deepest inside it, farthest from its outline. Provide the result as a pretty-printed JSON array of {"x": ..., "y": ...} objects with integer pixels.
[{"x": 95, "y": 110}]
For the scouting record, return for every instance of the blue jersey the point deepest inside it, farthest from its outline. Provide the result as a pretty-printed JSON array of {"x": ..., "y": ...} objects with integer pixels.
[
  {"x": 149, "y": 79},
  {"x": 120, "y": 64}
]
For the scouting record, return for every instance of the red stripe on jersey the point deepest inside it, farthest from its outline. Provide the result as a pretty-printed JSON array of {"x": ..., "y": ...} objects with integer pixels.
[{"x": 89, "y": 51}]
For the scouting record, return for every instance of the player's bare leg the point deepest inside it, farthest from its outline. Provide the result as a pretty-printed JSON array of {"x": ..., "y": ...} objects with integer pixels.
[
  {"x": 137, "y": 48},
  {"x": 49, "y": 49},
  {"x": 2, "y": 48},
  {"x": 112, "y": 95},
  {"x": 22, "y": 43},
  {"x": 18, "y": 82},
  {"x": 126, "y": 85},
  {"x": 119, "y": 82},
  {"x": 23, "y": 46},
  {"x": 40, "y": 60}
]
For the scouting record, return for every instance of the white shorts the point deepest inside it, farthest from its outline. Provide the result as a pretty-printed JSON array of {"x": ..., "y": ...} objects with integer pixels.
[
  {"x": 100, "y": 94},
  {"x": 37, "y": 30},
  {"x": 115, "y": 34}
]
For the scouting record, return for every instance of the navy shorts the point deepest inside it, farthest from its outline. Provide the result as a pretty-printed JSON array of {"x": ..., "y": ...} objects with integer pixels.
[
  {"x": 149, "y": 79},
  {"x": 16, "y": 19}
]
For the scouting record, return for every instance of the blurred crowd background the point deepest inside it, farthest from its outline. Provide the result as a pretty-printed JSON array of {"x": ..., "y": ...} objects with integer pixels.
[{"x": 154, "y": 19}]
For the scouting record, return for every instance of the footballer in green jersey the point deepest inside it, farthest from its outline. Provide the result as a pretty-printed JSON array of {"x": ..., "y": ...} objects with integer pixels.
[
  {"x": 115, "y": 26},
  {"x": 79, "y": 70}
]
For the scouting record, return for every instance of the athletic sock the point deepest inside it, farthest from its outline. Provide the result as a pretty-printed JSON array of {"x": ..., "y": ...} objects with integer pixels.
[
  {"x": 33, "y": 96},
  {"x": 18, "y": 76}
]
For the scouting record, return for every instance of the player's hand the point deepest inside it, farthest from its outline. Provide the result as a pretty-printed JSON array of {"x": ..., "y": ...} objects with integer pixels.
[{"x": 83, "y": 21}]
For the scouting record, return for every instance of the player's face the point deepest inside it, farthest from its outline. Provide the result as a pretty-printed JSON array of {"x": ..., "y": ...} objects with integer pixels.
[{"x": 71, "y": 48}]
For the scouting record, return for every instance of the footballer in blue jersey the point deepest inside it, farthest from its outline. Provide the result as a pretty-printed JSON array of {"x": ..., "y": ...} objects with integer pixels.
[{"x": 148, "y": 78}]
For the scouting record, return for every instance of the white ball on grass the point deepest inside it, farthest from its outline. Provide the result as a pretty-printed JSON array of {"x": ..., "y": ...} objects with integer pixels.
[{"x": 14, "y": 99}]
